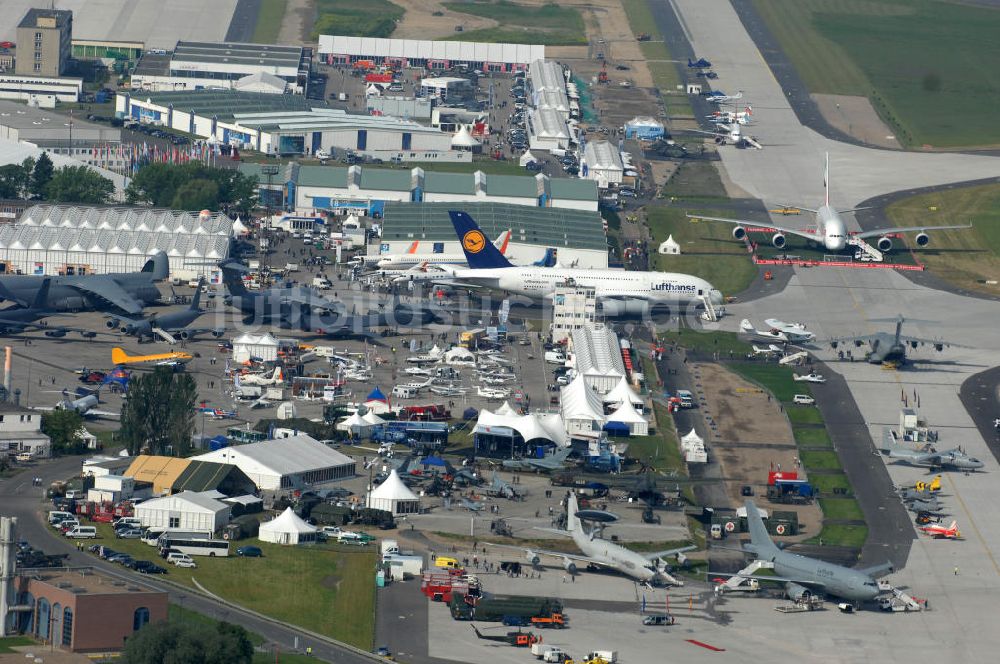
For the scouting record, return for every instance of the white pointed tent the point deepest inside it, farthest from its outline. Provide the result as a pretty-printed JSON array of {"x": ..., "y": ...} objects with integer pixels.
[
  {"x": 506, "y": 410},
  {"x": 627, "y": 414},
  {"x": 459, "y": 355},
  {"x": 527, "y": 158},
  {"x": 623, "y": 392},
  {"x": 354, "y": 425},
  {"x": 670, "y": 247},
  {"x": 582, "y": 409},
  {"x": 288, "y": 528},
  {"x": 393, "y": 496},
  {"x": 372, "y": 419},
  {"x": 239, "y": 228},
  {"x": 463, "y": 140},
  {"x": 693, "y": 448}
]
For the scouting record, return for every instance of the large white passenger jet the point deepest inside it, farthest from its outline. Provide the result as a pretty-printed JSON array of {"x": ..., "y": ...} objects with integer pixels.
[
  {"x": 830, "y": 230},
  {"x": 618, "y": 292}
]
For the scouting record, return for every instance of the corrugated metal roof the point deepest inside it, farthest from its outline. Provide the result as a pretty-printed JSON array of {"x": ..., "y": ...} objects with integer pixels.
[
  {"x": 204, "y": 476},
  {"x": 226, "y": 103},
  {"x": 322, "y": 176},
  {"x": 160, "y": 471},
  {"x": 450, "y": 183},
  {"x": 511, "y": 185},
  {"x": 285, "y": 456},
  {"x": 548, "y": 227},
  {"x": 603, "y": 155},
  {"x": 573, "y": 189},
  {"x": 260, "y": 55},
  {"x": 383, "y": 179}
]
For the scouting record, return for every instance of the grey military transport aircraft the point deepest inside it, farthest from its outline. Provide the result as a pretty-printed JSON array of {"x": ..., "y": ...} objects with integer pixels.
[
  {"x": 126, "y": 292},
  {"x": 803, "y": 576}
]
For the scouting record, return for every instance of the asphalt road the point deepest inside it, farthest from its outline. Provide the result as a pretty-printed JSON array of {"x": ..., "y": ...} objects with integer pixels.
[
  {"x": 244, "y": 21},
  {"x": 890, "y": 533},
  {"x": 20, "y": 499},
  {"x": 980, "y": 394}
]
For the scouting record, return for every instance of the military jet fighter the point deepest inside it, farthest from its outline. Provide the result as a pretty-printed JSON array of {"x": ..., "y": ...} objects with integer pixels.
[
  {"x": 551, "y": 462},
  {"x": 928, "y": 457}
]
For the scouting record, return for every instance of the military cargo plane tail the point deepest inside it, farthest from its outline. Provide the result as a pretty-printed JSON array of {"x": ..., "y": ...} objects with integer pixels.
[{"x": 158, "y": 266}]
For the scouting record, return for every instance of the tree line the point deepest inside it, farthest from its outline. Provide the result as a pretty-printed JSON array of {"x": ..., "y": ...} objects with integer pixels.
[{"x": 39, "y": 179}]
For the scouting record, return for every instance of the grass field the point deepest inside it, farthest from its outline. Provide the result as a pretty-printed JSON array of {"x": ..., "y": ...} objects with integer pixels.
[
  {"x": 811, "y": 437},
  {"x": 827, "y": 483},
  {"x": 919, "y": 61},
  {"x": 773, "y": 377},
  {"x": 356, "y": 18},
  {"x": 660, "y": 451},
  {"x": 966, "y": 258},
  {"x": 658, "y": 57},
  {"x": 335, "y": 587},
  {"x": 841, "y": 509},
  {"x": 834, "y": 534},
  {"x": 182, "y": 615},
  {"x": 695, "y": 179},
  {"x": 814, "y": 460},
  {"x": 706, "y": 342},
  {"x": 798, "y": 414},
  {"x": 269, "y": 21},
  {"x": 547, "y": 24},
  {"x": 707, "y": 250}
]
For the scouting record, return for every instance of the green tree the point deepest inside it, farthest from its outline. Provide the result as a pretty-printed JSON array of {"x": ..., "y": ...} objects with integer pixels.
[
  {"x": 189, "y": 643},
  {"x": 79, "y": 184},
  {"x": 159, "y": 412},
  {"x": 196, "y": 195},
  {"x": 183, "y": 186},
  {"x": 41, "y": 175},
  {"x": 14, "y": 179},
  {"x": 61, "y": 427}
]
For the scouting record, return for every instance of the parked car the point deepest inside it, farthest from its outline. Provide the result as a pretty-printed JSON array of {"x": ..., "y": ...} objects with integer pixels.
[
  {"x": 128, "y": 533},
  {"x": 658, "y": 619},
  {"x": 803, "y": 399},
  {"x": 147, "y": 567},
  {"x": 250, "y": 552}
]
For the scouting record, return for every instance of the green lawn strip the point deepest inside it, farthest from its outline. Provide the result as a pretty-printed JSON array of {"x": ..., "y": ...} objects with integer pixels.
[
  {"x": 549, "y": 16},
  {"x": 773, "y": 377},
  {"x": 841, "y": 509},
  {"x": 819, "y": 460},
  {"x": 707, "y": 250},
  {"x": 705, "y": 342},
  {"x": 660, "y": 450},
  {"x": 8, "y": 644},
  {"x": 811, "y": 437},
  {"x": 838, "y": 534},
  {"x": 269, "y": 19},
  {"x": 335, "y": 586},
  {"x": 801, "y": 414},
  {"x": 826, "y": 483},
  {"x": 356, "y": 18}
]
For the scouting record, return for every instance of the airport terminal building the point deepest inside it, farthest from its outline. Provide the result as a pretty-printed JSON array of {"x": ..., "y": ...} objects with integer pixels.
[{"x": 578, "y": 236}]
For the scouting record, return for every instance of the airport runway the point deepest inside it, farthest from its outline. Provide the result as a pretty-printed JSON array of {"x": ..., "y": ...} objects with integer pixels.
[
  {"x": 244, "y": 21},
  {"x": 957, "y": 577}
]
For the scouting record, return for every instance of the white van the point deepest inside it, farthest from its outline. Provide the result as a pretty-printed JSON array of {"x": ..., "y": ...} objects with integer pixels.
[
  {"x": 554, "y": 357},
  {"x": 322, "y": 283},
  {"x": 405, "y": 392},
  {"x": 127, "y": 522},
  {"x": 55, "y": 516},
  {"x": 803, "y": 399},
  {"x": 180, "y": 559},
  {"x": 82, "y": 532}
]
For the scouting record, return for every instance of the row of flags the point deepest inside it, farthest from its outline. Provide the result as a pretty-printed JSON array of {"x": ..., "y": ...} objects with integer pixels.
[{"x": 128, "y": 158}]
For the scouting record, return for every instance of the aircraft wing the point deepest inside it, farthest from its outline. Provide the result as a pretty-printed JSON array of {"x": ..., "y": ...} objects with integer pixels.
[
  {"x": 764, "y": 224},
  {"x": 108, "y": 291},
  {"x": 42, "y": 326},
  {"x": 668, "y": 552},
  {"x": 909, "y": 229},
  {"x": 809, "y": 583},
  {"x": 93, "y": 412},
  {"x": 906, "y": 339},
  {"x": 553, "y": 554}
]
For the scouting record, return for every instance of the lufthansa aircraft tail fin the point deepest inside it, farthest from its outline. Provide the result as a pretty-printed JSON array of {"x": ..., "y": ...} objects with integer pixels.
[{"x": 479, "y": 251}]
